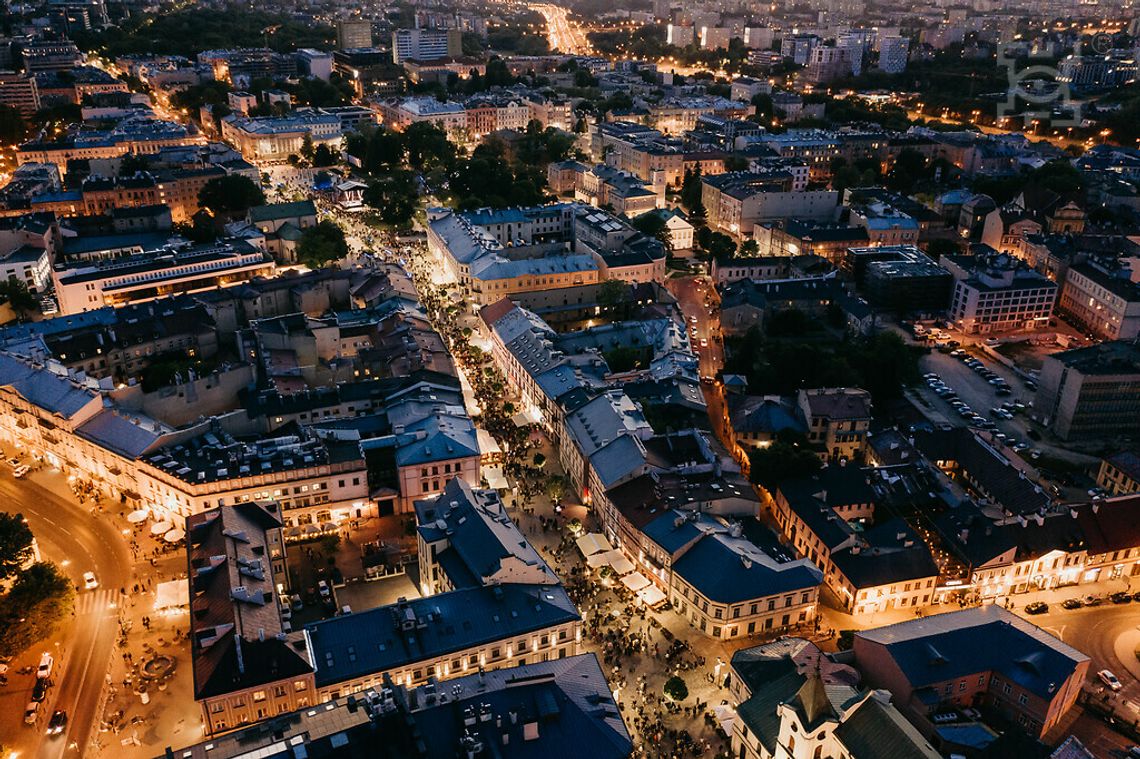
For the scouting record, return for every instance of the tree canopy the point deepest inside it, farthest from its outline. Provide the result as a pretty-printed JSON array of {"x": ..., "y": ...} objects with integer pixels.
[
  {"x": 32, "y": 609},
  {"x": 15, "y": 543},
  {"x": 231, "y": 195},
  {"x": 321, "y": 244}
]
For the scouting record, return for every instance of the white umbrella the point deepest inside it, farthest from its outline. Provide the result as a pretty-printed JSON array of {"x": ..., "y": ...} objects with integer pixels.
[
  {"x": 174, "y": 536},
  {"x": 159, "y": 528},
  {"x": 139, "y": 515}
]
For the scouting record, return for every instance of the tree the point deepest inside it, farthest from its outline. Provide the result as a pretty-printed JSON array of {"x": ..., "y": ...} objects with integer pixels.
[
  {"x": 324, "y": 156},
  {"x": 748, "y": 249},
  {"x": 612, "y": 292},
  {"x": 12, "y": 127},
  {"x": 18, "y": 295},
  {"x": 428, "y": 147},
  {"x": 320, "y": 244},
  {"x": 307, "y": 151},
  {"x": 394, "y": 198},
  {"x": 676, "y": 689},
  {"x": 691, "y": 188},
  {"x": 781, "y": 461},
  {"x": 39, "y": 599},
  {"x": 385, "y": 151},
  {"x": 653, "y": 225},
  {"x": 231, "y": 195},
  {"x": 15, "y": 543},
  {"x": 557, "y": 487},
  {"x": 133, "y": 163}
]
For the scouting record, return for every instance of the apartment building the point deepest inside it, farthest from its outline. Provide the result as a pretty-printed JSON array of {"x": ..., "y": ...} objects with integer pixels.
[
  {"x": 426, "y": 44},
  {"x": 1091, "y": 392},
  {"x": 175, "y": 188},
  {"x": 870, "y": 565},
  {"x": 19, "y": 91},
  {"x": 737, "y": 201},
  {"x": 802, "y": 237},
  {"x": 443, "y": 636},
  {"x": 140, "y": 134},
  {"x": 837, "y": 420},
  {"x": 1102, "y": 298},
  {"x": 466, "y": 538},
  {"x": 934, "y": 664},
  {"x": 248, "y": 664},
  {"x": 1119, "y": 474}
]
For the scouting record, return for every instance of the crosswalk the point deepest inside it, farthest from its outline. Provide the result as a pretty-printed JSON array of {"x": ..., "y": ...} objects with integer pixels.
[{"x": 94, "y": 601}]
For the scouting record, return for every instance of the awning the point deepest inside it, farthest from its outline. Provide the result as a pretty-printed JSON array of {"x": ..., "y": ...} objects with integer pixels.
[
  {"x": 172, "y": 593},
  {"x": 635, "y": 581},
  {"x": 174, "y": 535},
  {"x": 651, "y": 595},
  {"x": 725, "y": 717},
  {"x": 139, "y": 515},
  {"x": 592, "y": 543},
  {"x": 525, "y": 418},
  {"x": 161, "y": 528},
  {"x": 488, "y": 446}
]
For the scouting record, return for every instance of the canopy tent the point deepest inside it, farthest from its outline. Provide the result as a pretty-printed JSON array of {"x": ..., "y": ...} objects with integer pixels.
[
  {"x": 596, "y": 560},
  {"x": 725, "y": 717},
  {"x": 651, "y": 596},
  {"x": 171, "y": 594},
  {"x": 635, "y": 581},
  {"x": 174, "y": 535},
  {"x": 495, "y": 478},
  {"x": 617, "y": 560},
  {"x": 592, "y": 543},
  {"x": 161, "y": 528},
  {"x": 138, "y": 515}
]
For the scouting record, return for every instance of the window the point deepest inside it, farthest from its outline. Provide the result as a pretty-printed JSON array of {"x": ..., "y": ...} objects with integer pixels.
[
  {"x": 258, "y": 695},
  {"x": 1023, "y": 699}
]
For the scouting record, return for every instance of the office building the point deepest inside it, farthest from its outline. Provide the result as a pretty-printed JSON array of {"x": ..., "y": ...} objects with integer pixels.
[
  {"x": 426, "y": 44},
  {"x": 19, "y": 91},
  {"x": 1091, "y": 392},
  {"x": 353, "y": 35}
]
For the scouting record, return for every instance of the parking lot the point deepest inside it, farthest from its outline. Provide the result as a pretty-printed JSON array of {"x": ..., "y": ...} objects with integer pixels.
[{"x": 996, "y": 400}]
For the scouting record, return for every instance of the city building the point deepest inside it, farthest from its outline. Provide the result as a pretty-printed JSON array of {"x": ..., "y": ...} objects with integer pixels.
[
  {"x": 466, "y": 539},
  {"x": 1119, "y": 474},
  {"x": 792, "y": 701},
  {"x": 247, "y": 665},
  {"x": 443, "y": 636},
  {"x": 1091, "y": 392},
  {"x": 934, "y": 664},
  {"x": 426, "y": 44},
  {"x": 273, "y": 139},
  {"x": 837, "y": 420},
  {"x": 871, "y": 565},
  {"x": 798, "y": 237},
  {"x": 893, "y": 52},
  {"x": 19, "y": 91},
  {"x": 737, "y": 201},
  {"x": 1102, "y": 298},
  {"x": 995, "y": 292},
  {"x": 900, "y": 277},
  {"x": 557, "y": 709},
  {"x": 157, "y": 273},
  {"x": 353, "y": 34}
]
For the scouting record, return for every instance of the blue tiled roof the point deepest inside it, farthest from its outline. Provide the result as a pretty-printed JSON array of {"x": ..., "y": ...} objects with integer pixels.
[
  {"x": 944, "y": 647},
  {"x": 731, "y": 570},
  {"x": 370, "y": 642}
]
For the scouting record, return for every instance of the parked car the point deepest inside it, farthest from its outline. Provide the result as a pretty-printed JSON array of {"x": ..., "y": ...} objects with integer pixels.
[
  {"x": 1037, "y": 607},
  {"x": 46, "y": 663},
  {"x": 89, "y": 581},
  {"x": 324, "y": 589},
  {"x": 1109, "y": 679},
  {"x": 40, "y": 691},
  {"x": 1121, "y": 598},
  {"x": 1071, "y": 603},
  {"x": 21, "y": 471},
  {"x": 31, "y": 712},
  {"x": 13, "y": 462}
]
